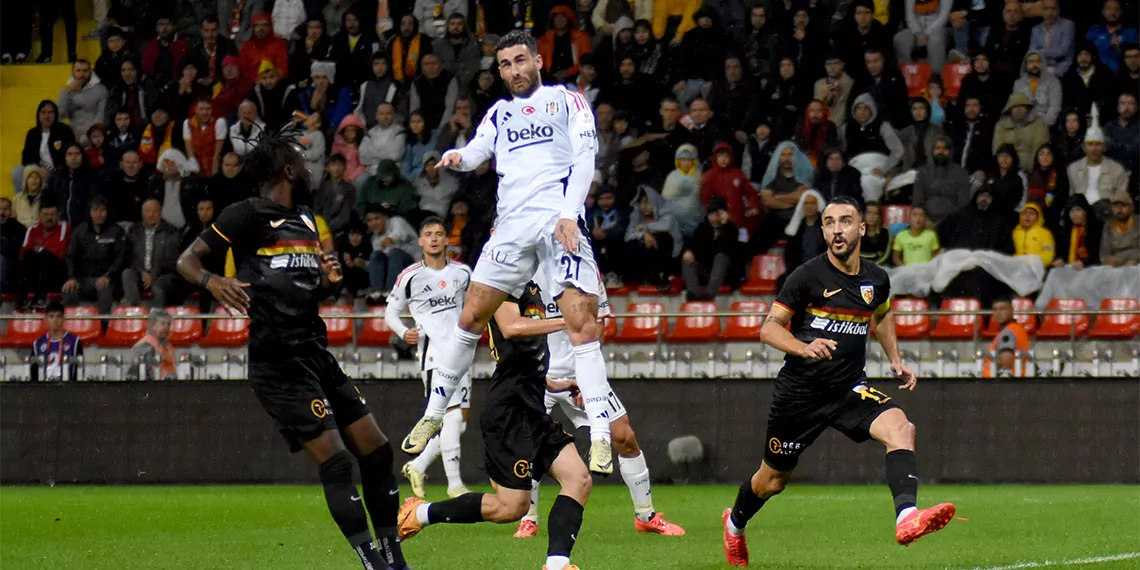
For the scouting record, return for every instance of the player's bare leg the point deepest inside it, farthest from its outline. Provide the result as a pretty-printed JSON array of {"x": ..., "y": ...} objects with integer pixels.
[
  {"x": 765, "y": 484},
  {"x": 894, "y": 430},
  {"x": 580, "y": 311},
  {"x": 635, "y": 473},
  {"x": 373, "y": 453},
  {"x": 454, "y": 361}
]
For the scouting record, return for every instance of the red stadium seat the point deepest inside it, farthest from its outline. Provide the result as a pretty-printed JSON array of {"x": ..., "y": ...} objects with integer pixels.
[
  {"x": 744, "y": 328},
  {"x": 1110, "y": 327},
  {"x": 696, "y": 329},
  {"x": 910, "y": 327},
  {"x": 952, "y": 74},
  {"x": 22, "y": 333},
  {"x": 184, "y": 332},
  {"x": 611, "y": 327},
  {"x": 339, "y": 330},
  {"x": 676, "y": 284},
  {"x": 226, "y": 333},
  {"x": 762, "y": 275},
  {"x": 917, "y": 75},
  {"x": 1064, "y": 326},
  {"x": 622, "y": 291},
  {"x": 125, "y": 333},
  {"x": 1021, "y": 307},
  {"x": 637, "y": 330},
  {"x": 375, "y": 331},
  {"x": 896, "y": 215},
  {"x": 88, "y": 330},
  {"x": 957, "y": 327}
]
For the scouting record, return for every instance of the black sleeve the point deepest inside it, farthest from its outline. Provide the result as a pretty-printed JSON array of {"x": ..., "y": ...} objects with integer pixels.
[
  {"x": 230, "y": 227},
  {"x": 795, "y": 292},
  {"x": 121, "y": 254}
]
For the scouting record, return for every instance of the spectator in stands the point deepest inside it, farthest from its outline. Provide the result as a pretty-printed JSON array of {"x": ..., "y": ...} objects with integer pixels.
[
  {"x": 436, "y": 13},
  {"x": 134, "y": 96},
  {"x": 349, "y": 136},
  {"x": 312, "y": 45},
  {"x": 1120, "y": 243},
  {"x": 1041, "y": 87},
  {"x": 233, "y": 89},
  {"x": 924, "y": 35},
  {"x": 760, "y": 45},
  {"x": 834, "y": 177},
  {"x": 918, "y": 244},
  {"x": 979, "y": 225},
  {"x": 834, "y": 90},
  {"x": 459, "y": 130},
  {"x": 12, "y": 234},
  {"x": 275, "y": 99},
  {"x": 380, "y": 88},
  {"x": 434, "y": 93},
  {"x": 701, "y": 55},
  {"x": 633, "y": 93},
  {"x": 815, "y": 131},
  {"x": 1111, "y": 35},
  {"x": 1048, "y": 185},
  {"x": 72, "y": 184},
  {"x": 805, "y": 231},
  {"x": 758, "y": 152},
  {"x": 786, "y": 97},
  {"x": 1078, "y": 235},
  {"x": 787, "y": 178},
  {"x": 204, "y": 136},
  {"x": 44, "y": 145},
  {"x": 288, "y": 15},
  {"x": 608, "y": 223},
  {"x": 703, "y": 129},
  {"x": 682, "y": 190},
  {"x": 1031, "y": 237},
  {"x": 918, "y": 138},
  {"x": 263, "y": 45},
  {"x": 435, "y": 187},
  {"x": 225, "y": 188},
  {"x": 709, "y": 254},
  {"x": 211, "y": 50},
  {"x": 1009, "y": 183},
  {"x": 862, "y": 33},
  {"x": 972, "y": 138},
  {"x": 653, "y": 238},
  {"x": 1069, "y": 137},
  {"x": 652, "y": 56},
  {"x": 1086, "y": 83},
  {"x": 83, "y": 101},
  {"x": 460, "y": 51},
  {"x": 163, "y": 55},
  {"x": 153, "y": 357},
  {"x": 873, "y": 146},
  {"x": 335, "y": 197},
  {"x": 352, "y": 50},
  {"x": 606, "y": 13},
  {"x": 1128, "y": 78},
  {"x": 237, "y": 17},
  {"x": 1123, "y": 136},
  {"x": 51, "y": 11},
  {"x": 1008, "y": 44},
  {"x": 393, "y": 248},
  {"x": 1019, "y": 128},
  {"x": 97, "y": 139},
  {"x": 1096, "y": 176},
  {"x": 407, "y": 49},
  {"x": 175, "y": 187},
  {"x": 120, "y": 138},
  {"x": 386, "y": 140},
  {"x": 355, "y": 252},
  {"x": 43, "y": 254},
  {"x": 159, "y": 136},
  {"x": 724, "y": 179},
  {"x": 990, "y": 89},
  {"x": 875, "y": 245},
  {"x": 389, "y": 190},
  {"x": 248, "y": 131},
  {"x": 109, "y": 63},
  {"x": 333, "y": 14},
  {"x": 420, "y": 140},
  {"x": 26, "y": 204},
  {"x": 1054, "y": 38},
  {"x": 96, "y": 255},
  {"x": 886, "y": 86},
  {"x": 325, "y": 96},
  {"x": 126, "y": 189},
  {"x": 941, "y": 187},
  {"x": 804, "y": 42},
  {"x": 54, "y": 348},
  {"x": 1011, "y": 338},
  {"x": 154, "y": 246},
  {"x": 313, "y": 149}
]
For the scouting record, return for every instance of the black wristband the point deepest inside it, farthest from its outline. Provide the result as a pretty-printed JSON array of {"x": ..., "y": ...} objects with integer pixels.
[{"x": 206, "y": 279}]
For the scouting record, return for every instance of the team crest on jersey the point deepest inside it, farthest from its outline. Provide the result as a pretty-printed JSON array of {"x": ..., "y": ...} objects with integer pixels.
[
  {"x": 308, "y": 222},
  {"x": 528, "y": 110},
  {"x": 458, "y": 284},
  {"x": 552, "y": 108},
  {"x": 868, "y": 292}
]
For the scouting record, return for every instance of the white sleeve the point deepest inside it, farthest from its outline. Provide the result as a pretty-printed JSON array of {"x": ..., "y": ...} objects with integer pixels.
[
  {"x": 584, "y": 148},
  {"x": 186, "y": 134},
  {"x": 400, "y": 230},
  {"x": 482, "y": 146},
  {"x": 220, "y": 130},
  {"x": 397, "y": 305}
]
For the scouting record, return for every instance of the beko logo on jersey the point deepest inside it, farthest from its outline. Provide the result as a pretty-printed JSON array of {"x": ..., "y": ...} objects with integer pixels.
[
  {"x": 442, "y": 302},
  {"x": 839, "y": 327},
  {"x": 530, "y": 133}
]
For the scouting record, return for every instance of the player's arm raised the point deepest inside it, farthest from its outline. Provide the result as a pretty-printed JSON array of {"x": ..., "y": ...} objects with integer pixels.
[
  {"x": 583, "y": 146},
  {"x": 884, "y": 324},
  {"x": 775, "y": 333},
  {"x": 478, "y": 150},
  {"x": 513, "y": 324}
]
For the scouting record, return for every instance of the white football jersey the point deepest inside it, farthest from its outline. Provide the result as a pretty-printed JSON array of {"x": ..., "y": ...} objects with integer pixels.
[
  {"x": 544, "y": 146},
  {"x": 434, "y": 297},
  {"x": 558, "y": 343}
]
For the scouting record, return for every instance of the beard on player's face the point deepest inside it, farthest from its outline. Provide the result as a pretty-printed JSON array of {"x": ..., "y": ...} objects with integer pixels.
[
  {"x": 524, "y": 83},
  {"x": 842, "y": 245}
]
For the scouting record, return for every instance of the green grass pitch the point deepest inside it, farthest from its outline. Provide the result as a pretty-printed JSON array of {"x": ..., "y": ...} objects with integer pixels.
[{"x": 809, "y": 526}]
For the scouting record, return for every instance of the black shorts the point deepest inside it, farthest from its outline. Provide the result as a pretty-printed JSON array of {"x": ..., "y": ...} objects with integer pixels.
[
  {"x": 521, "y": 444},
  {"x": 306, "y": 393},
  {"x": 793, "y": 424}
]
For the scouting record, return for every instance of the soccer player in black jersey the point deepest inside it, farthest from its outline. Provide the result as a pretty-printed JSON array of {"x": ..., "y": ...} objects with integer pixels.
[
  {"x": 522, "y": 441},
  {"x": 831, "y": 302},
  {"x": 281, "y": 279}
]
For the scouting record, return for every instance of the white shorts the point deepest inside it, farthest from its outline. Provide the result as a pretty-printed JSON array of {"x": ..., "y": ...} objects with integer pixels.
[
  {"x": 578, "y": 415},
  {"x": 518, "y": 248},
  {"x": 462, "y": 395}
]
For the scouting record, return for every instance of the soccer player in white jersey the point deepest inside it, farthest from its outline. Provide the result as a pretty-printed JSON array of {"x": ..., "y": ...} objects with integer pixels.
[
  {"x": 631, "y": 461},
  {"x": 434, "y": 289},
  {"x": 544, "y": 142}
]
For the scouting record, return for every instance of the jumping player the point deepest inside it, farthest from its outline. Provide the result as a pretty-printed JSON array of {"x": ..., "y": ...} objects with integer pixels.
[
  {"x": 434, "y": 289},
  {"x": 830, "y": 301},
  {"x": 521, "y": 439},
  {"x": 544, "y": 141},
  {"x": 281, "y": 278}
]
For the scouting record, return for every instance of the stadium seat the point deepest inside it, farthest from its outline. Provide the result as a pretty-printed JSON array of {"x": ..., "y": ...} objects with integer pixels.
[
  {"x": 1116, "y": 327},
  {"x": 124, "y": 333},
  {"x": 676, "y": 285},
  {"x": 952, "y": 75},
  {"x": 957, "y": 327},
  {"x": 695, "y": 329},
  {"x": 339, "y": 330},
  {"x": 375, "y": 331},
  {"x": 896, "y": 215},
  {"x": 184, "y": 332},
  {"x": 762, "y": 275},
  {"x": 226, "y": 333},
  {"x": 622, "y": 291},
  {"x": 88, "y": 330},
  {"x": 744, "y": 328},
  {"x": 917, "y": 75},
  {"x": 22, "y": 333},
  {"x": 910, "y": 327},
  {"x": 1021, "y": 308},
  {"x": 1064, "y": 326},
  {"x": 611, "y": 327},
  {"x": 639, "y": 330}
]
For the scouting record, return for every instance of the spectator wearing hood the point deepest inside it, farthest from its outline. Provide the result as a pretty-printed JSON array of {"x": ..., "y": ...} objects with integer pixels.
[
  {"x": 653, "y": 238},
  {"x": 804, "y": 42},
  {"x": 44, "y": 144},
  {"x": 701, "y": 55},
  {"x": 1009, "y": 42},
  {"x": 1078, "y": 235},
  {"x": 232, "y": 90},
  {"x": 862, "y": 33},
  {"x": 805, "y": 231},
  {"x": 710, "y": 254},
  {"x": 83, "y": 100},
  {"x": 26, "y": 203},
  {"x": 1069, "y": 137},
  {"x": 1054, "y": 37},
  {"x": 652, "y": 56},
  {"x": 758, "y": 151},
  {"x": 919, "y": 137},
  {"x": 682, "y": 189},
  {"x": 834, "y": 90},
  {"x": 325, "y": 96},
  {"x": 132, "y": 95},
  {"x": 984, "y": 85},
  {"x": 941, "y": 187},
  {"x": 885, "y": 83},
  {"x": 406, "y": 49},
  {"x": 972, "y": 135},
  {"x": 788, "y": 176},
  {"x": 458, "y": 49},
  {"x": 608, "y": 223},
  {"x": 352, "y": 50},
  {"x": 834, "y": 177},
  {"x": 380, "y": 88},
  {"x": 313, "y": 44},
  {"x": 73, "y": 184},
  {"x": 1123, "y": 136},
  {"x": 176, "y": 189},
  {"x": 96, "y": 255},
  {"x": 274, "y": 97},
  {"x": 388, "y": 189},
  {"x": 760, "y": 45},
  {"x": 1020, "y": 128},
  {"x": 162, "y": 56},
  {"x": 1097, "y": 176},
  {"x": 724, "y": 179},
  {"x": 1111, "y": 34},
  {"x": 126, "y": 189},
  {"x": 815, "y": 131},
  {"x": 978, "y": 225},
  {"x": 263, "y": 44},
  {"x": 435, "y": 187},
  {"x": 612, "y": 50},
  {"x": 347, "y": 142},
  {"x": 1120, "y": 242},
  {"x": 1048, "y": 185},
  {"x": 1087, "y": 82},
  {"x": 564, "y": 44},
  {"x": 925, "y": 28},
  {"x": 1009, "y": 183},
  {"x": 786, "y": 98},
  {"x": 875, "y": 140},
  {"x": 1041, "y": 87},
  {"x": 1031, "y": 237},
  {"x": 433, "y": 93}
]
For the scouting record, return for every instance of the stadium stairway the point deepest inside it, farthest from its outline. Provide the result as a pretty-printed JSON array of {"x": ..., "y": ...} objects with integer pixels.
[{"x": 22, "y": 87}]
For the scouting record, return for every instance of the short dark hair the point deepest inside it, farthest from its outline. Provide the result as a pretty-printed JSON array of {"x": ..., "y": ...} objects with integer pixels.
[
  {"x": 98, "y": 201},
  {"x": 54, "y": 308},
  {"x": 210, "y": 19},
  {"x": 517, "y": 38},
  {"x": 848, "y": 201},
  {"x": 1129, "y": 47},
  {"x": 337, "y": 157},
  {"x": 432, "y": 221},
  {"x": 377, "y": 209}
]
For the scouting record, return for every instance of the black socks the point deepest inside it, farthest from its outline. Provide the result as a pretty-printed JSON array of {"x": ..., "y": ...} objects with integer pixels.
[
  {"x": 902, "y": 477},
  {"x": 382, "y": 497},
  {"x": 347, "y": 509},
  {"x": 565, "y": 522},
  {"x": 746, "y": 506},
  {"x": 464, "y": 509}
]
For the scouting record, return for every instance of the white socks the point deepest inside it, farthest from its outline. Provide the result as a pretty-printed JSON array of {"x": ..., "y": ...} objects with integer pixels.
[
  {"x": 422, "y": 513},
  {"x": 635, "y": 473},
  {"x": 455, "y": 361},
  {"x": 449, "y": 444},
  {"x": 532, "y": 513},
  {"x": 732, "y": 528},
  {"x": 556, "y": 562},
  {"x": 427, "y": 456},
  {"x": 904, "y": 513},
  {"x": 590, "y": 374}
]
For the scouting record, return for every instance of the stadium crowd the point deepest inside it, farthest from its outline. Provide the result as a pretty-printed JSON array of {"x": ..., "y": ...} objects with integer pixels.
[{"x": 724, "y": 126}]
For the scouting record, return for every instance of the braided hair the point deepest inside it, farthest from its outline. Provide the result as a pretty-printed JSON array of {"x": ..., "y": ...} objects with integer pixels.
[{"x": 264, "y": 165}]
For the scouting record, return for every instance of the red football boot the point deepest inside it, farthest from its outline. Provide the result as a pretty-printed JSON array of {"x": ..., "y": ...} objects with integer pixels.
[{"x": 920, "y": 523}]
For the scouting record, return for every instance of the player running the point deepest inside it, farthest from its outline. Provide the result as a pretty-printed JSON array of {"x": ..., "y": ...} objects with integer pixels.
[
  {"x": 631, "y": 461},
  {"x": 434, "y": 289},
  {"x": 543, "y": 140},
  {"x": 830, "y": 300},
  {"x": 281, "y": 279},
  {"x": 522, "y": 441}
]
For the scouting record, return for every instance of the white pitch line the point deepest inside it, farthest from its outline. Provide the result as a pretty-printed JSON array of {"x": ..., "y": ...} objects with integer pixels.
[{"x": 1073, "y": 562}]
